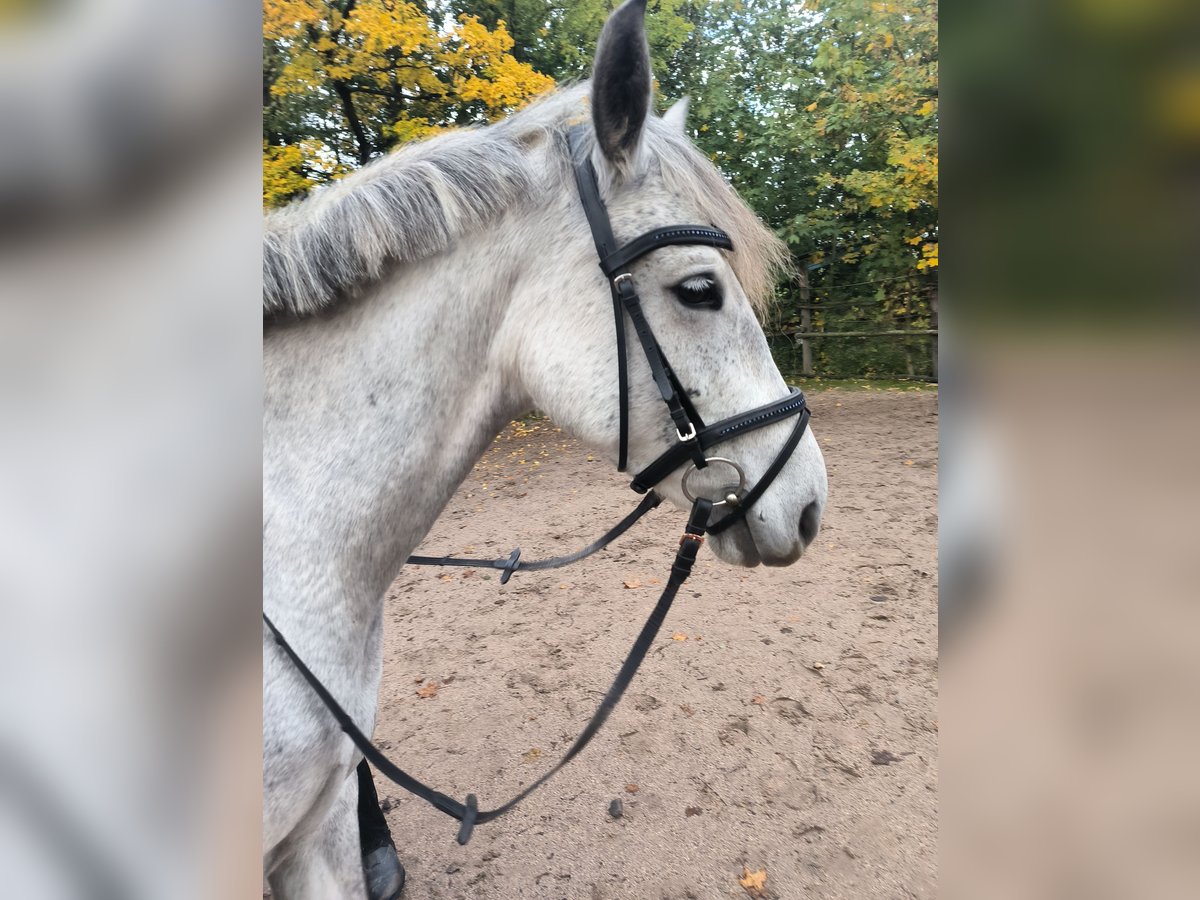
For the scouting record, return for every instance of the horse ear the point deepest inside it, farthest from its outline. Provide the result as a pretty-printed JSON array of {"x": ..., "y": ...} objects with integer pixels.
[
  {"x": 676, "y": 116},
  {"x": 621, "y": 83}
]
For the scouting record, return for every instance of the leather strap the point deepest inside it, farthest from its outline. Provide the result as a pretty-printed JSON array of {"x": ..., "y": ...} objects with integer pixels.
[
  {"x": 468, "y": 812},
  {"x": 793, "y": 404},
  {"x": 514, "y": 562},
  {"x": 602, "y": 236},
  {"x": 615, "y": 262},
  {"x": 760, "y": 486},
  {"x": 619, "y": 261},
  {"x": 668, "y": 386}
]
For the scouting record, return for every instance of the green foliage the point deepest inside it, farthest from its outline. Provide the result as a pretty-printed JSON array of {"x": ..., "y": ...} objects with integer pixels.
[
  {"x": 824, "y": 115},
  {"x": 559, "y": 38}
]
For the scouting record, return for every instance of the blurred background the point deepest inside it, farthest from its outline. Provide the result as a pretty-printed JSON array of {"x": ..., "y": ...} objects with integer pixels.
[{"x": 134, "y": 166}]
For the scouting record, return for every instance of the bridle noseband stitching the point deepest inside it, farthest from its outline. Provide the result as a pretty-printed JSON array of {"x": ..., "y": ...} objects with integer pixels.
[{"x": 694, "y": 439}]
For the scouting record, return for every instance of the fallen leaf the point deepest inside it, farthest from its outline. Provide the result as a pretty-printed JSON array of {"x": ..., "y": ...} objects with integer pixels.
[
  {"x": 755, "y": 883},
  {"x": 531, "y": 754},
  {"x": 631, "y": 789},
  {"x": 632, "y": 583},
  {"x": 447, "y": 578},
  {"x": 759, "y": 700},
  {"x": 909, "y": 462},
  {"x": 679, "y": 636},
  {"x": 430, "y": 690}
]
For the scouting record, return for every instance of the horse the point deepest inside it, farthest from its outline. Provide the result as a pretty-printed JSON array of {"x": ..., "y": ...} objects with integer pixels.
[{"x": 414, "y": 308}]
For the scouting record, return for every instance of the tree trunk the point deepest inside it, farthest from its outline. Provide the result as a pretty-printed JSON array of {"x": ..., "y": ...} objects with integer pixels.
[{"x": 356, "y": 128}]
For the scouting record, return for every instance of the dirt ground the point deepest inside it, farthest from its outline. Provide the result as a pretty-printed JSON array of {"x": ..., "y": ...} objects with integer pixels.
[{"x": 785, "y": 721}]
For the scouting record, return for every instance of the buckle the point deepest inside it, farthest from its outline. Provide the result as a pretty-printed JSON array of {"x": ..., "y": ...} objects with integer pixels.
[
  {"x": 624, "y": 276},
  {"x": 690, "y": 436},
  {"x": 688, "y": 536}
]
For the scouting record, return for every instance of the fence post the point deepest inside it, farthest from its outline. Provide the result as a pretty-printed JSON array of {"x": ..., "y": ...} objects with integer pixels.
[
  {"x": 933, "y": 321},
  {"x": 806, "y": 365}
]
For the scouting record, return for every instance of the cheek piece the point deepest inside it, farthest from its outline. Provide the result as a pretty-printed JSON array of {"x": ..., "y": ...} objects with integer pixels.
[{"x": 695, "y": 440}]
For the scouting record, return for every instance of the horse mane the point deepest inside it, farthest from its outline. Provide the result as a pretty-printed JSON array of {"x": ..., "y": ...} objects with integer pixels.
[{"x": 417, "y": 201}]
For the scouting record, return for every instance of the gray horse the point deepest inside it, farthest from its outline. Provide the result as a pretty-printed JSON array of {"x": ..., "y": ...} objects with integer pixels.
[{"x": 412, "y": 310}]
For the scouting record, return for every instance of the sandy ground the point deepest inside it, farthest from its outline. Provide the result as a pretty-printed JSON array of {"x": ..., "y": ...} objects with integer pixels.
[{"x": 793, "y": 731}]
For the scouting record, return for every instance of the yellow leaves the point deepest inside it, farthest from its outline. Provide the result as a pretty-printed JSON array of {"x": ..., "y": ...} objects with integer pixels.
[
  {"x": 282, "y": 178},
  {"x": 292, "y": 169},
  {"x": 811, "y": 107},
  {"x": 679, "y": 636},
  {"x": 533, "y": 754},
  {"x": 429, "y": 691},
  {"x": 485, "y": 71},
  {"x": 754, "y": 883},
  {"x": 927, "y": 108},
  {"x": 405, "y": 129},
  {"x": 385, "y": 53},
  {"x": 929, "y": 257}
]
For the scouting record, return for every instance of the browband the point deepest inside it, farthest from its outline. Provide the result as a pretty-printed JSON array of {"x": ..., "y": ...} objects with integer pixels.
[{"x": 618, "y": 261}]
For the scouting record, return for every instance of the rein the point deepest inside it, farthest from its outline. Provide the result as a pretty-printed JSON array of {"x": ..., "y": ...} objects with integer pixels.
[{"x": 695, "y": 439}]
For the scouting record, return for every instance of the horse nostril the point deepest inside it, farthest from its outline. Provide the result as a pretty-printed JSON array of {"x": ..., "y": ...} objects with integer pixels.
[{"x": 810, "y": 521}]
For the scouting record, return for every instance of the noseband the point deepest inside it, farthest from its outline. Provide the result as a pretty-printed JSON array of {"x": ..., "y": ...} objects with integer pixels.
[{"x": 695, "y": 439}]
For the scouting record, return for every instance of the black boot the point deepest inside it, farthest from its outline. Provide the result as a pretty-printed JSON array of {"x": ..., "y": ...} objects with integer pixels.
[{"x": 381, "y": 863}]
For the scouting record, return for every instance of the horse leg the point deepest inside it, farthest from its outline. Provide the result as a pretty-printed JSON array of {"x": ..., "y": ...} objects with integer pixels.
[{"x": 327, "y": 863}]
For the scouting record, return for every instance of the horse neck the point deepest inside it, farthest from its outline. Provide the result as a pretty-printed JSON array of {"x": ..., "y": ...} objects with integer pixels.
[{"x": 373, "y": 417}]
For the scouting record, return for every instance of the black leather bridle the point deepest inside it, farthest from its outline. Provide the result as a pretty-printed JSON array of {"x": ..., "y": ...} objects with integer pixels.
[{"x": 695, "y": 439}]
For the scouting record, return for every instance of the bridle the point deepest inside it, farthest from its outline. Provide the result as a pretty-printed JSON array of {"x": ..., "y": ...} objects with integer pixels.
[{"x": 695, "y": 438}]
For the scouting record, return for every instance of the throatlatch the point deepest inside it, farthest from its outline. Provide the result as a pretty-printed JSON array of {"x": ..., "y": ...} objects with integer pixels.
[{"x": 695, "y": 440}]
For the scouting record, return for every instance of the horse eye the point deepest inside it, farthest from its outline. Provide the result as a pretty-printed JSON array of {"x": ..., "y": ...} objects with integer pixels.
[{"x": 699, "y": 290}]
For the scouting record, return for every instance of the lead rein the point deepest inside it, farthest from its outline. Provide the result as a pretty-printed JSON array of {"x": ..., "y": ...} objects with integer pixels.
[{"x": 468, "y": 812}]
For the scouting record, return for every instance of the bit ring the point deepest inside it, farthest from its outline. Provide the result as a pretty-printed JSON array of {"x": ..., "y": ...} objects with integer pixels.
[{"x": 733, "y": 497}]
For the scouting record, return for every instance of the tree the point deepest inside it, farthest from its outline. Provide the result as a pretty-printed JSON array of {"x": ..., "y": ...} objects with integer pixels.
[
  {"x": 558, "y": 37},
  {"x": 824, "y": 115},
  {"x": 347, "y": 80}
]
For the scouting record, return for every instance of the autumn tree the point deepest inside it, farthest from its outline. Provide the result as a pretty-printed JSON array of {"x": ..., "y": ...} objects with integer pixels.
[
  {"x": 824, "y": 115},
  {"x": 347, "y": 80}
]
